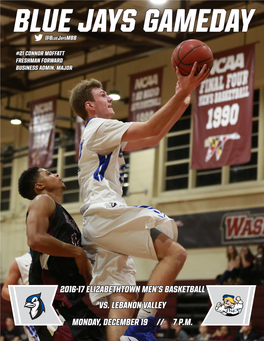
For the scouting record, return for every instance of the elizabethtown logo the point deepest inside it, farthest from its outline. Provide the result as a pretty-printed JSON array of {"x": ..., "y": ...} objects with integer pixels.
[
  {"x": 36, "y": 305},
  {"x": 232, "y": 311},
  {"x": 22, "y": 299}
]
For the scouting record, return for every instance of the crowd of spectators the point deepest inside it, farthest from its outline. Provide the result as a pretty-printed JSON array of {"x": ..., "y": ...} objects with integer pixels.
[
  {"x": 243, "y": 267},
  {"x": 12, "y": 333},
  {"x": 223, "y": 333},
  {"x": 203, "y": 334}
]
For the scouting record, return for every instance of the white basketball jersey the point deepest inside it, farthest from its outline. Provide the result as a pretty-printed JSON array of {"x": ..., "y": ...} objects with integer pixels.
[
  {"x": 101, "y": 163},
  {"x": 23, "y": 263}
]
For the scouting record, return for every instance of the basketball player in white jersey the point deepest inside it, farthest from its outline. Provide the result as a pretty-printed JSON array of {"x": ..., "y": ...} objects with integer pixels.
[{"x": 113, "y": 232}]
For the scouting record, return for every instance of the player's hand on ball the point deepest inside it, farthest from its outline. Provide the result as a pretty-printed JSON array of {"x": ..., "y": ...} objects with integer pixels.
[
  {"x": 190, "y": 82},
  {"x": 178, "y": 87}
]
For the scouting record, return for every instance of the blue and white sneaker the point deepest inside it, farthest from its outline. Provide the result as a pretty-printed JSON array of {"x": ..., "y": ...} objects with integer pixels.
[{"x": 140, "y": 332}]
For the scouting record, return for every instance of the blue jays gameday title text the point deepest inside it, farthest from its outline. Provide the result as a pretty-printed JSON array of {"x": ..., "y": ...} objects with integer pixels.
[{"x": 108, "y": 20}]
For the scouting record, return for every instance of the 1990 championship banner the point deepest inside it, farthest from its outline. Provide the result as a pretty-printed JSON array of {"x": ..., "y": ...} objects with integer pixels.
[{"x": 222, "y": 113}]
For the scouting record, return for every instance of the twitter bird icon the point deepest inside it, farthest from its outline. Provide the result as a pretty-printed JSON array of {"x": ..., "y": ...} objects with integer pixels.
[{"x": 38, "y": 37}]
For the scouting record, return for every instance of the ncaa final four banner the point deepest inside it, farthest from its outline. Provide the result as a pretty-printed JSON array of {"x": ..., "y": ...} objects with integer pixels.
[{"x": 222, "y": 111}]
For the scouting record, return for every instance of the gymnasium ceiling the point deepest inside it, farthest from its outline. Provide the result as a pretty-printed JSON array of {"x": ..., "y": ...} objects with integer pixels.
[{"x": 127, "y": 46}]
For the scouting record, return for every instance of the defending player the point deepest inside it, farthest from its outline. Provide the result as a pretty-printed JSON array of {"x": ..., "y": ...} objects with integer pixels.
[
  {"x": 114, "y": 232},
  {"x": 57, "y": 256}
]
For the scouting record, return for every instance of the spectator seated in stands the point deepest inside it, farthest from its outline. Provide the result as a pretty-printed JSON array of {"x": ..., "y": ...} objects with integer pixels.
[
  {"x": 165, "y": 331},
  {"x": 203, "y": 335},
  {"x": 233, "y": 264},
  {"x": 221, "y": 333},
  {"x": 246, "y": 266},
  {"x": 180, "y": 334},
  {"x": 246, "y": 333},
  {"x": 10, "y": 332},
  {"x": 258, "y": 270}
]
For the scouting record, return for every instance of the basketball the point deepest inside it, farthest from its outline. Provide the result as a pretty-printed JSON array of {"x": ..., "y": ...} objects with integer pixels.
[{"x": 188, "y": 52}]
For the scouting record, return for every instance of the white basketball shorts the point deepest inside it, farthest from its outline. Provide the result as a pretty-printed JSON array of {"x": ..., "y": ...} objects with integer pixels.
[{"x": 115, "y": 233}]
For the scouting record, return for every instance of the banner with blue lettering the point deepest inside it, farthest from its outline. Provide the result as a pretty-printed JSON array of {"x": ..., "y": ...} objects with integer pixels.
[{"x": 222, "y": 111}]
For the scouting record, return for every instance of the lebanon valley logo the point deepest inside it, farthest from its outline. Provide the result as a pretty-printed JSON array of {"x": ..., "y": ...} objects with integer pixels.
[
  {"x": 36, "y": 305},
  {"x": 243, "y": 227},
  {"x": 231, "y": 306},
  {"x": 215, "y": 145},
  {"x": 235, "y": 307}
]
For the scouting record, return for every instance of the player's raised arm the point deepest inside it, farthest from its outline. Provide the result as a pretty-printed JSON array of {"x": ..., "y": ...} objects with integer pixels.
[{"x": 153, "y": 141}]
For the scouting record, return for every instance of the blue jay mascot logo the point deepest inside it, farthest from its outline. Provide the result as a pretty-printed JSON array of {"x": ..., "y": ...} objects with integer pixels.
[
  {"x": 36, "y": 306},
  {"x": 231, "y": 306}
]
